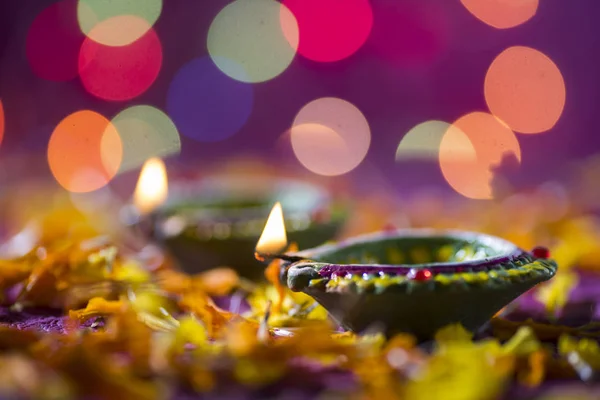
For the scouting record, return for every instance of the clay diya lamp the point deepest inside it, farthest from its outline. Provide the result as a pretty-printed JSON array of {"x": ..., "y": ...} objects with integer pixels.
[
  {"x": 216, "y": 221},
  {"x": 416, "y": 281}
]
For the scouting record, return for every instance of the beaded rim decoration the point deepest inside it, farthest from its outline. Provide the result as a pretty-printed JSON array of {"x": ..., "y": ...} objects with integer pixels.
[{"x": 510, "y": 264}]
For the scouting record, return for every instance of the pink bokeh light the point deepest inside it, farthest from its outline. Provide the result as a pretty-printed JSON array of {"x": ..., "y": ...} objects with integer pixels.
[
  {"x": 120, "y": 73},
  {"x": 331, "y": 30}
]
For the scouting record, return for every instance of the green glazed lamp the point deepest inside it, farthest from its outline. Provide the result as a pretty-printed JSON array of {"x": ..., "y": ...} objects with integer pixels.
[{"x": 416, "y": 281}]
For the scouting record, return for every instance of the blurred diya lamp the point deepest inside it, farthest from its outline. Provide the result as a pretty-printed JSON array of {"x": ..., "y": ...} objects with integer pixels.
[
  {"x": 150, "y": 192},
  {"x": 414, "y": 281},
  {"x": 216, "y": 221}
]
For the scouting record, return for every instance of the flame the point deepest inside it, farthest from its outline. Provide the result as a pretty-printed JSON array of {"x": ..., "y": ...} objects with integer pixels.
[
  {"x": 273, "y": 238},
  {"x": 151, "y": 190}
]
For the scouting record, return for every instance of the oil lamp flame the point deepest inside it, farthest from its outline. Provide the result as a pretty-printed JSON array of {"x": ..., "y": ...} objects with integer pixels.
[
  {"x": 151, "y": 190},
  {"x": 273, "y": 238}
]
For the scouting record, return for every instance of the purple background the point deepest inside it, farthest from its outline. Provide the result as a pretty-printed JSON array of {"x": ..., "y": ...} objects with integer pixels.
[{"x": 452, "y": 50}]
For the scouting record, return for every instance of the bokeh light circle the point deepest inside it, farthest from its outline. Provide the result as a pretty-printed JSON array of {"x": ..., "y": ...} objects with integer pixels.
[
  {"x": 330, "y": 136},
  {"x": 472, "y": 147},
  {"x": 53, "y": 42},
  {"x": 145, "y": 132},
  {"x": 250, "y": 34},
  {"x": 109, "y": 32},
  {"x": 422, "y": 141},
  {"x": 120, "y": 73},
  {"x": 320, "y": 149},
  {"x": 84, "y": 152},
  {"x": 525, "y": 89},
  {"x": 331, "y": 30},
  {"x": 122, "y": 21},
  {"x": 207, "y": 105},
  {"x": 502, "y": 14}
]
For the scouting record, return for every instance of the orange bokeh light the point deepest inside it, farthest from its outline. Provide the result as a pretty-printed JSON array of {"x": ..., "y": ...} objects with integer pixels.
[
  {"x": 84, "y": 152},
  {"x": 1, "y": 122},
  {"x": 502, "y": 14},
  {"x": 321, "y": 149},
  {"x": 471, "y": 147},
  {"x": 525, "y": 89},
  {"x": 330, "y": 136}
]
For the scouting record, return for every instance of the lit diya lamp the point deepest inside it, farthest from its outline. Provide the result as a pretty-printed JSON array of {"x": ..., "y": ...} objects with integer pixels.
[
  {"x": 150, "y": 192},
  {"x": 414, "y": 281},
  {"x": 216, "y": 221}
]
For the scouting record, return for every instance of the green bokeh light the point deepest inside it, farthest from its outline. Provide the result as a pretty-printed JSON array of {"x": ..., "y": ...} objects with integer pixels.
[
  {"x": 124, "y": 21},
  {"x": 423, "y": 141},
  {"x": 145, "y": 132},
  {"x": 261, "y": 36}
]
